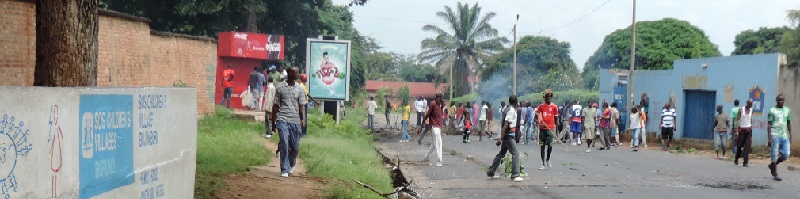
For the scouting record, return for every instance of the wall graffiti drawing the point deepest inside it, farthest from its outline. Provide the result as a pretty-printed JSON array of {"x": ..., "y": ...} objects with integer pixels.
[
  {"x": 13, "y": 146},
  {"x": 56, "y": 157}
]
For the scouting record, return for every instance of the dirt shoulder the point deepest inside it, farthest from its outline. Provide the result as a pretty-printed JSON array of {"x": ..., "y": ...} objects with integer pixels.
[{"x": 265, "y": 182}]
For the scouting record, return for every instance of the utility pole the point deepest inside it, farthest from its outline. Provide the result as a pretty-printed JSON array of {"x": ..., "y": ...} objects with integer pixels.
[
  {"x": 450, "y": 81},
  {"x": 514, "y": 89},
  {"x": 633, "y": 53}
]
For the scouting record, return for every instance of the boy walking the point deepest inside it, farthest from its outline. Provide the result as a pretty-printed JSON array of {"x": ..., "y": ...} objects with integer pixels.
[
  {"x": 744, "y": 137},
  {"x": 547, "y": 115},
  {"x": 720, "y": 131},
  {"x": 509, "y": 137},
  {"x": 435, "y": 115},
  {"x": 288, "y": 112},
  {"x": 780, "y": 134}
]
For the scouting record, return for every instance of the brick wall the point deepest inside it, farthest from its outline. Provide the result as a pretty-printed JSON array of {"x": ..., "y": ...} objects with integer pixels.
[
  {"x": 17, "y": 43},
  {"x": 129, "y": 53}
]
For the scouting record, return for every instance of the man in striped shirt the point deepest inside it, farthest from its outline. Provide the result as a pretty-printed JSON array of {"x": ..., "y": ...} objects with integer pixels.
[{"x": 668, "y": 124}]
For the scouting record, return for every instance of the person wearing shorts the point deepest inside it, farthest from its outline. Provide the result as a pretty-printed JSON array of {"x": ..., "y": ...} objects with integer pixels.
[
  {"x": 482, "y": 120},
  {"x": 547, "y": 115},
  {"x": 720, "y": 131},
  {"x": 780, "y": 135},
  {"x": 575, "y": 124},
  {"x": 668, "y": 123},
  {"x": 588, "y": 116}
]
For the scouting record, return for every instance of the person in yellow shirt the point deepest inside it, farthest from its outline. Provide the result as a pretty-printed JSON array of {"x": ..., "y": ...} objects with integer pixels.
[
  {"x": 303, "y": 79},
  {"x": 404, "y": 122}
]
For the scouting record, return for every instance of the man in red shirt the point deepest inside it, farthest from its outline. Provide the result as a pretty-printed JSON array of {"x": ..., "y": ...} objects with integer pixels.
[
  {"x": 227, "y": 84},
  {"x": 435, "y": 115},
  {"x": 546, "y": 114}
]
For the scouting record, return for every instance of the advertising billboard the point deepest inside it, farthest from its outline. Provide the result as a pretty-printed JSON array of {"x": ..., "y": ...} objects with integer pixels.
[
  {"x": 328, "y": 66},
  {"x": 251, "y": 45}
]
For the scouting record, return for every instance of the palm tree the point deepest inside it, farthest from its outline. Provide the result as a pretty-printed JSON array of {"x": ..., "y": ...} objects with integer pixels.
[{"x": 473, "y": 41}]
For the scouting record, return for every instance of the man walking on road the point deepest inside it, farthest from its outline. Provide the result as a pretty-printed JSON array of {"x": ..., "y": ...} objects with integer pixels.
[
  {"x": 576, "y": 123},
  {"x": 404, "y": 123},
  {"x": 720, "y": 133},
  {"x": 371, "y": 106},
  {"x": 744, "y": 137},
  {"x": 388, "y": 110},
  {"x": 482, "y": 125},
  {"x": 435, "y": 115},
  {"x": 668, "y": 124},
  {"x": 605, "y": 125},
  {"x": 547, "y": 115},
  {"x": 508, "y": 140},
  {"x": 419, "y": 106},
  {"x": 734, "y": 124},
  {"x": 588, "y": 115},
  {"x": 269, "y": 97},
  {"x": 289, "y": 108},
  {"x": 780, "y": 134}
]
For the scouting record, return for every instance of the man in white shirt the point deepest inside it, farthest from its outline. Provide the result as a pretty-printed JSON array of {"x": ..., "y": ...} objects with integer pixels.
[
  {"x": 668, "y": 124},
  {"x": 269, "y": 97},
  {"x": 371, "y": 106},
  {"x": 482, "y": 121},
  {"x": 419, "y": 106},
  {"x": 508, "y": 141}
]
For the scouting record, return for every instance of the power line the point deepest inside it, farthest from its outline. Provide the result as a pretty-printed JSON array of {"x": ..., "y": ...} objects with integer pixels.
[{"x": 575, "y": 21}]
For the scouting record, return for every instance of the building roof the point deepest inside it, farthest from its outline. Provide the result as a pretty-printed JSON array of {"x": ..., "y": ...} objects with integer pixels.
[{"x": 424, "y": 89}]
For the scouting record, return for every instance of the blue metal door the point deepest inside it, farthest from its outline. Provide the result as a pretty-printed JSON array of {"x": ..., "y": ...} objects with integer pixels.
[
  {"x": 621, "y": 98},
  {"x": 698, "y": 114}
]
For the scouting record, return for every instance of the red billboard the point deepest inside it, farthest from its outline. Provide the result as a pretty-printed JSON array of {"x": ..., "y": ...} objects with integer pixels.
[{"x": 250, "y": 45}]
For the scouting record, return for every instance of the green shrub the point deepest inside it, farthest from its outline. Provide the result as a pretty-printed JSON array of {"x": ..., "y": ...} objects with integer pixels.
[
  {"x": 342, "y": 153},
  {"x": 226, "y": 145}
]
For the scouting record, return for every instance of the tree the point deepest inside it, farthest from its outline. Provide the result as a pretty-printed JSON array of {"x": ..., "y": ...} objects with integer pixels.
[
  {"x": 765, "y": 40},
  {"x": 404, "y": 94},
  {"x": 472, "y": 42},
  {"x": 66, "y": 43},
  {"x": 658, "y": 45},
  {"x": 790, "y": 42},
  {"x": 413, "y": 71},
  {"x": 542, "y": 63}
]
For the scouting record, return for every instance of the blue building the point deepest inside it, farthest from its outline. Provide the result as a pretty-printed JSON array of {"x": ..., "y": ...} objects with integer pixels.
[{"x": 696, "y": 86}]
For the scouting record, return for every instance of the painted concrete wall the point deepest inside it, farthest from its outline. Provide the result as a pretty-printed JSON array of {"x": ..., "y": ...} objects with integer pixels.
[
  {"x": 790, "y": 88},
  {"x": 730, "y": 77},
  {"x": 97, "y": 142}
]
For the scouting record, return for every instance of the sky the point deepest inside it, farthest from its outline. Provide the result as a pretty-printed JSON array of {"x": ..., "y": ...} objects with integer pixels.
[{"x": 397, "y": 25}]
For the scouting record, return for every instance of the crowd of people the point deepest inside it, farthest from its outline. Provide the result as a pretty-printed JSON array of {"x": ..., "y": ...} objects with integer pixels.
[
  {"x": 286, "y": 105},
  {"x": 577, "y": 124}
]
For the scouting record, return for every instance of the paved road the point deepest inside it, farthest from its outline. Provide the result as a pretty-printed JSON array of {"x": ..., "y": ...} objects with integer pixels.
[{"x": 619, "y": 173}]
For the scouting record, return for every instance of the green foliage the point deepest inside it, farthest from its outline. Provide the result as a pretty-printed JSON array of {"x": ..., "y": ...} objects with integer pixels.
[
  {"x": 472, "y": 41},
  {"x": 764, "y": 40},
  {"x": 226, "y": 145},
  {"x": 404, "y": 94},
  {"x": 340, "y": 153},
  {"x": 472, "y": 97},
  {"x": 658, "y": 45},
  {"x": 559, "y": 97},
  {"x": 790, "y": 42},
  {"x": 308, "y": 20},
  {"x": 544, "y": 60},
  {"x": 383, "y": 93},
  {"x": 380, "y": 65}
]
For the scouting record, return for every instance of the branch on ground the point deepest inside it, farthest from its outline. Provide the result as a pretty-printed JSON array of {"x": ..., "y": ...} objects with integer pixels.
[{"x": 374, "y": 190}]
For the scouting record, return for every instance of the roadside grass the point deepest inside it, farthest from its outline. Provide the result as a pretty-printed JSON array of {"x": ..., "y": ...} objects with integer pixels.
[
  {"x": 342, "y": 153},
  {"x": 226, "y": 145}
]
